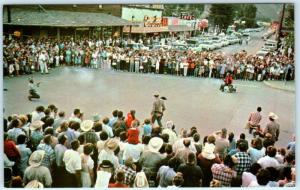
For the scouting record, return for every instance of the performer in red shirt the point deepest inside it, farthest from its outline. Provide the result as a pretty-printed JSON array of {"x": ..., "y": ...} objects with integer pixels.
[{"x": 227, "y": 82}]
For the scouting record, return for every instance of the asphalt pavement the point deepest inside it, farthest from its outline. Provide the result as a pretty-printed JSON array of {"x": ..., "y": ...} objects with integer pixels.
[{"x": 191, "y": 101}]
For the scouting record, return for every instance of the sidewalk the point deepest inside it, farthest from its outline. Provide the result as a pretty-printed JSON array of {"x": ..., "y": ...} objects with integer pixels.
[{"x": 282, "y": 85}]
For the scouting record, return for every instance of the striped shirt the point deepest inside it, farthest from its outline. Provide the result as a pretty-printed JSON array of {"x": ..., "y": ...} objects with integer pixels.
[
  {"x": 254, "y": 118},
  {"x": 49, "y": 157}
]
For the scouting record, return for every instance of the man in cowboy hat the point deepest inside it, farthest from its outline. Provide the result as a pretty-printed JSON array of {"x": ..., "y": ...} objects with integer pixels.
[
  {"x": 273, "y": 127},
  {"x": 36, "y": 171},
  {"x": 158, "y": 109},
  {"x": 89, "y": 135},
  {"x": 108, "y": 152},
  {"x": 151, "y": 158}
]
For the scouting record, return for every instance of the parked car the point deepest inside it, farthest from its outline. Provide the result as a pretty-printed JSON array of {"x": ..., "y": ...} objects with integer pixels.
[
  {"x": 271, "y": 44},
  {"x": 137, "y": 46},
  {"x": 261, "y": 54},
  {"x": 179, "y": 47}
]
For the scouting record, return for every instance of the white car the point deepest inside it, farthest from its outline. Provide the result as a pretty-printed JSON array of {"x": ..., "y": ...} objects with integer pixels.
[
  {"x": 138, "y": 46},
  {"x": 261, "y": 54}
]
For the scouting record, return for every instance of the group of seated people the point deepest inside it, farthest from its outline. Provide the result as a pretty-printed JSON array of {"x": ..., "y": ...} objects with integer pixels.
[{"x": 46, "y": 148}]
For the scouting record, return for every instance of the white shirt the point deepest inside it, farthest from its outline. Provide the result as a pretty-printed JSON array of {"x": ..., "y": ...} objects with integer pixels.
[
  {"x": 37, "y": 116},
  {"x": 247, "y": 178},
  {"x": 134, "y": 151},
  {"x": 268, "y": 161},
  {"x": 72, "y": 161},
  {"x": 105, "y": 155}
]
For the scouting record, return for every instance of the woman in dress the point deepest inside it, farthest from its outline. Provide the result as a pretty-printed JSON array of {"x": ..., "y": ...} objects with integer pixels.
[{"x": 87, "y": 164}]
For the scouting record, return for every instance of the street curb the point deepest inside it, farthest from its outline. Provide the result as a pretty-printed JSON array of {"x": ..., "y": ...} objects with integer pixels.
[{"x": 278, "y": 87}]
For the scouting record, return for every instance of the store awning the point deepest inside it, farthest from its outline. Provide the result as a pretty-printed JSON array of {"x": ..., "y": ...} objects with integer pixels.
[
  {"x": 143, "y": 30},
  {"x": 53, "y": 18}
]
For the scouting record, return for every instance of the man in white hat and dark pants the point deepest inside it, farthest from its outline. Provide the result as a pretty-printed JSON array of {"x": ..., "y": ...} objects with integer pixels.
[
  {"x": 158, "y": 109},
  {"x": 272, "y": 127}
]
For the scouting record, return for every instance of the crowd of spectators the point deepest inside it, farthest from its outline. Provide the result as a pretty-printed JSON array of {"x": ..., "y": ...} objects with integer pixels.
[
  {"x": 31, "y": 55},
  {"x": 46, "y": 148}
]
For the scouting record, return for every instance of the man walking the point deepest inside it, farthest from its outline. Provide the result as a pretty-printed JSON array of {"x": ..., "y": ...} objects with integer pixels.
[
  {"x": 158, "y": 109},
  {"x": 254, "y": 120}
]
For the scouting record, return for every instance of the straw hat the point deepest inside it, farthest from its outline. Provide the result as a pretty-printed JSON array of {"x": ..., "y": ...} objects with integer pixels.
[
  {"x": 36, "y": 125},
  {"x": 86, "y": 125},
  {"x": 36, "y": 158},
  {"x": 34, "y": 184},
  {"x": 111, "y": 145},
  {"x": 273, "y": 116},
  {"x": 208, "y": 151},
  {"x": 155, "y": 144}
]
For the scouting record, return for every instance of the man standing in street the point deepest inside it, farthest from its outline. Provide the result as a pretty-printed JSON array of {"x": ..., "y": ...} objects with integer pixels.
[
  {"x": 272, "y": 127},
  {"x": 42, "y": 62},
  {"x": 158, "y": 109}
]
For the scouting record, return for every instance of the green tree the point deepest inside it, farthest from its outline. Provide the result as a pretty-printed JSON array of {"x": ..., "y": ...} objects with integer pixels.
[
  {"x": 289, "y": 23},
  {"x": 222, "y": 15}
]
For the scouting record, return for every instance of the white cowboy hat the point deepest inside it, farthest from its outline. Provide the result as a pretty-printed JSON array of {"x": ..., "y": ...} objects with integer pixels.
[
  {"x": 36, "y": 125},
  {"x": 169, "y": 124},
  {"x": 156, "y": 93},
  {"x": 36, "y": 158},
  {"x": 273, "y": 116},
  {"x": 34, "y": 184},
  {"x": 86, "y": 125},
  {"x": 155, "y": 144},
  {"x": 111, "y": 145},
  {"x": 208, "y": 151}
]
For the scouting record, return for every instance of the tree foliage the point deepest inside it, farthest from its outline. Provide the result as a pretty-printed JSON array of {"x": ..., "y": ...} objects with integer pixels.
[
  {"x": 289, "y": 22},
  {"x": 247, "y": 13},
  {"x": 176, "y": 9},
  {"x": 222, "y": 15}
]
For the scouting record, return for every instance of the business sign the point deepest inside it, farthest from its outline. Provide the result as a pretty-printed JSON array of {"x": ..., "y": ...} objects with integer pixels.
[
  {"x": 203, "y": 24},
  {"x": 152, "y": 21}
]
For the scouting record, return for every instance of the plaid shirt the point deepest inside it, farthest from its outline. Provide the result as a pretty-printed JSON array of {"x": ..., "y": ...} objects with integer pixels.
[
  {"x": 223, "y": 173},
  {"x": 254, "y": 118},
  {"x": 244, "y": 162},
  {"x": 129, "y": 174},
  {"x": 49, "y": 155}
]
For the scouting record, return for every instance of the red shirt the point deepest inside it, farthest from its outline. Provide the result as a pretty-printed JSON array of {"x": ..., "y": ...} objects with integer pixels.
[
  {"x": 117, "y": 185},
  {"x": 10, "y": 149},
  {"x": 133, "y": 136},
  {"x": 228, "y": 80},
  {"x": 129, "y": 120}
]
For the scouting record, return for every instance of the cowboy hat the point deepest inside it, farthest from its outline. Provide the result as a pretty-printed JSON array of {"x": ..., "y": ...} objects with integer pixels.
[
  {"x": 34, "y": 184},
  {"x": 86, "y": 125},
  {"x": 156, "y": 93},
  {"x": 36, "y": 125},
  {"x": 36, "y": 158},
  {"x": 155, "y": 144},
  {"x": 208, "y": 151},
  {"x": 96, "y": 117},
  {"x": 111, "y": 145},
  {"x": 273, "y": 116}
]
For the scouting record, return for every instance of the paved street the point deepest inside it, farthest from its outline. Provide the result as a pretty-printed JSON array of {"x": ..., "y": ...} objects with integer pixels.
[
  {"x": 191, "y": 101},
  {"x": 253, "y": 46}
]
